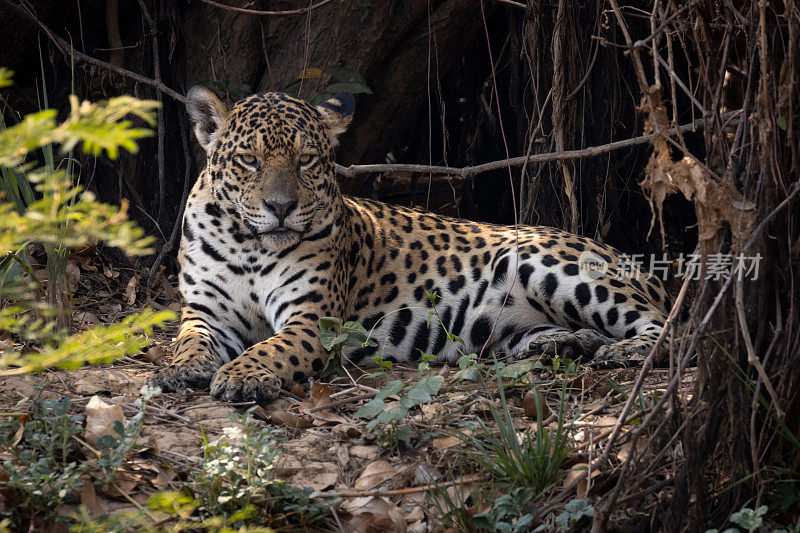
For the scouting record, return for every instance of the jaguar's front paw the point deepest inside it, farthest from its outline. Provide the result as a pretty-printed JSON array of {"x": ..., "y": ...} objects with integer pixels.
[
  {"x": 195, "y": 373},
  {"x": 242, "y": 381}
]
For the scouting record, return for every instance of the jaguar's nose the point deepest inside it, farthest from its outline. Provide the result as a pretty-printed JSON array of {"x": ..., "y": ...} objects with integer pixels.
[{"x": 281, "y": 209}]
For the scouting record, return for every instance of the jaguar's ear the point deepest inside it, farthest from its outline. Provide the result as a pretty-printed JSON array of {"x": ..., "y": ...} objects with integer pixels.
[
  {"x": 208, "y": 114},
  {"x": 337, "y": 114}
]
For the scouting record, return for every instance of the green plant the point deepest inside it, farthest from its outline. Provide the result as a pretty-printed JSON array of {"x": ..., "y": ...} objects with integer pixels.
[
  {"x": 510, "y": 513},
  {"x": 388, "y": 422},
  {"x": 43, "y": 473},
  {"x": 236, "y": 481},
  {"x": 114, "y": 448},
  {"x": 531, "y": 460},
  {"x": 40, "y": 204},
  {"x": 574, "y": 512},
  {"x": 47, "y": 469},
  {"x": 331, "y": 81},
  {"x": 335, "y": 335},
  {"x": 59, "y": 214},
  {"x": 748, "y": 519}
]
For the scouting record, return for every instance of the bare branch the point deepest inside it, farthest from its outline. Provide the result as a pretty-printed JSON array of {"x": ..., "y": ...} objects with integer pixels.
[
  {"x": 67, "y": 49},
  {"x": 298, "y": 11},
  {"x": 591, "y": 151}
]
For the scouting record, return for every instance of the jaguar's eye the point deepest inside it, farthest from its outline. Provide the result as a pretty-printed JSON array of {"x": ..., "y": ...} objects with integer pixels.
[
  {"x": 250, "y": 161},
  {"x": 305, "y": 159}
]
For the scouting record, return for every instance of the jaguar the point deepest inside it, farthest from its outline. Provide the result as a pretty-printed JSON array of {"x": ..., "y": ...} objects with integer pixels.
[{"x": 270, "y": 245}]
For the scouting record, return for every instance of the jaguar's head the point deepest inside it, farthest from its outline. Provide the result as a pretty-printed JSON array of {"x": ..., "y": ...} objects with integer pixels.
[{"x": 270, "y": 158}]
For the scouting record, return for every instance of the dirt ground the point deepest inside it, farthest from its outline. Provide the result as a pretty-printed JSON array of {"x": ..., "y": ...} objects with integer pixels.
[{"x": 327, "y": 448}]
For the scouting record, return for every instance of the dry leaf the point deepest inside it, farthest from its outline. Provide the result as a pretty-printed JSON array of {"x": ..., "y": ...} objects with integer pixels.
[
  {"x": 320, "y": 396},
  {"x": 458, "y": 494},
  {"x": 431, "y": 411},
  {"x": 317, "y": 475},
  {"x": 156, "y": 355},
  {"x": 530, "y": 408},
  {"x": 298, "y": 390},
  {"x": 604, "y": 423},
  {"x": 425, "y": 474},
  {"x": 83, "y": 253},
  {"x": 8, "y": 496},
  {"x": 346, "y": 431},
  {"x": 577, "y": 471},
  {"x": 73, "y": 275},
  {"x": 89, "y": 499},
  {"x": 88, "y": 386},
  {"x": 286, "y": 418},
  {"x": 130, "y": 290},
  {"x": 87, "y": 317},
  {"x": 443, "y": 443},
  {"x": 583, "y": 383},
  {"x": 163, "y": 479},
  {"x": 23, "y": 419},
  {"x": 625, "y": 450},
  {"x": 366, "y": 452},
  {"x": 373, "y": 515},
  {"x": 374, "y": 474},
  {"x": 100, "y": 419},
  {"x": 717, "y": 204}
]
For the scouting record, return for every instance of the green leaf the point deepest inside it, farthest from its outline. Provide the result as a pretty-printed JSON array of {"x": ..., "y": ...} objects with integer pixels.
[
  {"x": 340, "y": 73},
  {"x": 340, "y": 338},
  {"x": 471, "y": 373},
  {"x": 370, "y": 409},
  {"x": 5, "y": 77},
  {"x": 455, "y": 338},
  {"x": 355, "y": 338},
  {"x": 390, "y": 389},
  {"x": 383, "y": 364},
  {"x": 354, "y": 326},
  {"x": 327, "y": 338},
  {"x": 328, "y": 322},
  {"x": 423, "y": 390},
  {"x": 466, "y": 360},
  {"x": 515, "y": 370},
  {"x": 392, "y": 415},
  {"x": 351, "y": 87},
  {"x": 172, "y": 502},
  {"x": 781, "y": 122},
  {"x": 432, "y": 296},
  {"x": 249, "y": 511},
  {"x": 403, "y": 433}
]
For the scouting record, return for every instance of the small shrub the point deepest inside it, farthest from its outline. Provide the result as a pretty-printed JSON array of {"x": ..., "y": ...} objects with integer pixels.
[{"x": 235, "y": 484}]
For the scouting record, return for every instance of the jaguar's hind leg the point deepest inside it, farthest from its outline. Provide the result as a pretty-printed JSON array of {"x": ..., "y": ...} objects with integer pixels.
[
  {"x": 572, "y": 344},
  {"x": 551, "y": 339},
  {"x": 629, "y": 352}
]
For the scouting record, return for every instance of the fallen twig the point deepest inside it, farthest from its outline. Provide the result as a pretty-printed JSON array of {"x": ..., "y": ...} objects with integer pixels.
[
  {"x": 339, "y": 403},
  {"x": 401, "y": 492}
]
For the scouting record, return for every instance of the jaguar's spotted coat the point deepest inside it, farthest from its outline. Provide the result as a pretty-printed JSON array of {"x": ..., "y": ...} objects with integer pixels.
[{"x": 270, "y": 245}]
